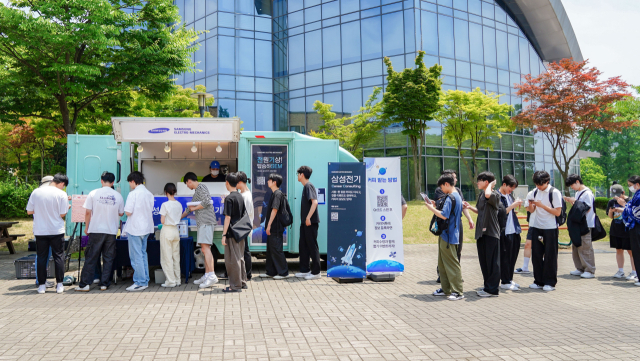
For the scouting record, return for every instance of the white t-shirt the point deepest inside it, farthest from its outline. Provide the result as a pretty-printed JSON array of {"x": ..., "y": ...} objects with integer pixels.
[
  {"x": 544, "y": 219},
  {"x": 172, "y": 211},
  {"x": 532, "y": 216},
  {"x": 47, "y": 204},
  {"x": 588, "y": 199},
  {"x": 248, "y": 203},
  {"x": 106, "y": 206},
  {"x": 510, "y": 228},
  {"x": 140, "y": 205}
]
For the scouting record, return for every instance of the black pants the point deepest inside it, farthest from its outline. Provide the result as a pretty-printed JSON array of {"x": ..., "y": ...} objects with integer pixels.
[
  {"x": 634, "y": 235},
  {"x": 544, "y": 256},
  {"x": 509, "y": 250},
  {"x": 276, "y": 261},
  {"x": 99, "y": 244},
  {"x": 247, "y": 258},
  {"x": 57, "y": 251},
  {"x": 309, "y": 249},
  {"x": 489, "y": 257}
]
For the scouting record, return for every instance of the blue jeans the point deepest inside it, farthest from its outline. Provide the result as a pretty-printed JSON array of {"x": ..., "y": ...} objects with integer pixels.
[
  {"x": 139, "y": 260},
  {"x": 36, "y": 262}
]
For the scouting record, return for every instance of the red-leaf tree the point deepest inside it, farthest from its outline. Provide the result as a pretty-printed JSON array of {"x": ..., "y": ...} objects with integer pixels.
[{"x": 567, "y": 104}]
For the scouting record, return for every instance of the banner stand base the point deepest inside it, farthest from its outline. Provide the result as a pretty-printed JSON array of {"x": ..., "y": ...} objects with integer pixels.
[
  {"x": 348, "y": 280},
  {"x": 382, "y": 277}
]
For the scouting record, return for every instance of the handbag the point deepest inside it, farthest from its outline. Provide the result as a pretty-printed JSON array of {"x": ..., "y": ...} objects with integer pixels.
[
  {"x": 242, "y": 227},
  {"x": 598, "y": 231}
]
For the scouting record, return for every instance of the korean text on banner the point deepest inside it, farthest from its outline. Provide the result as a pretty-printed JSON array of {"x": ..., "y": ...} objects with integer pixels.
[
  {"x": 384, "y": 216},
  {"x": 77, "y": 210},
  {"x": 346, "y": 231}
]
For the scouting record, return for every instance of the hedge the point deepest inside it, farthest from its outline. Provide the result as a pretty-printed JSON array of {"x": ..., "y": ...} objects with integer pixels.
[
  {"x": 601, "y": 202},
  {"x": 14, "y": 198}
]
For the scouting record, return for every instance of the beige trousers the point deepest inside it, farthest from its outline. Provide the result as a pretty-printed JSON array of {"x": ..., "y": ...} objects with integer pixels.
[
  {"x": 234, "y": 262},
  {"x": 170, "y": 254},
  {"x": 584, "y": 256}
]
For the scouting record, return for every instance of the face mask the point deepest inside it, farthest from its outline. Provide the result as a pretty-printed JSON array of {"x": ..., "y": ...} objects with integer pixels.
[
  {"x": 632, "y": 189},
  {"x": 215, "y": 172}
]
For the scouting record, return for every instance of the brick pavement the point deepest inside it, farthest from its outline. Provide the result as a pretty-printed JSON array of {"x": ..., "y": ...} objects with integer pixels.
[{"x": 307, "y": 320}]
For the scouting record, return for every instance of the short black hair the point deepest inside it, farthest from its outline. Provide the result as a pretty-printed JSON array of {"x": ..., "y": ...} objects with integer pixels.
[
  {"x": 306, "y": 171},
  {"x": 61, "y": 178},
  {"x": 446, "y": 178},
  {"x": 541, "y": 177},
  {"x": 136, "y": 177},
  {"x": 486, "y": 176},
  {"x": 108, "y": 177},
  {"x": 614, "y": 183},
  {"x": 449, "y": 171},
  {"x": 275, "y": 177},
  {"x": 170, "y": 189},
  {"x": 510, "y": 181},
  {"x": 633, "y": 179},
  {"x": 242, "y": 177},
  {"x": 572, "y": 179},
  {"x": 190, "y": 176},
  {"x": 232, "y": 179}
]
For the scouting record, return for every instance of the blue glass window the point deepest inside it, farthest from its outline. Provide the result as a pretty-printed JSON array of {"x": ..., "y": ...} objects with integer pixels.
[
  {"x": 247, "y": 113},
  {"x": 429, "y": 33},
  {"x": 514, "y": 59},
  {"x": 462, "y": 69},
  {"x": 350, "y": 42},
  {"x": 263, "y": 24},
  {"x": 349, "y": 6},
  {"x": 245, "y": 57},
  {"x": 445, "y": 2},
  {"x": 227, "y": 82},
  {"x": 245, "y": 7},
  {"x": 188, "y": 11},
  {"x": 524, "y": 56},
  {"x": 296, "y": 54},
  {"x": 371, "y": 38},
  {"x": 445, "y": 35},
  {"x": 212, "y": 5},
  {"x": 332, "y": 75},
  {"x": 264, "y": 116},
  {"x": 475, "y": 41},
  {"x": 331, "y": 9},
  {"x": 491, "y": 75},
  {"x": 460, "y": 4},
  {"x": 312, "y": 50},
  {"x": 264, "y": 85},
  {"x": 475, "y": 7},
  {"x": 409, "y": 31},
  {"x": 263, "y": 58},
  {"x": 448, "y": 66},
  {"x": 477, "y": 72},
  {"x": 351, "y": 71},
  {"x": 312, "y": 14},
  {"x": 313, "y": 78},
  {"x": 372, "y": 68},
  {"x": 200, "y": 9},
  {"x": 515, "y": 78},
  {"x": 296, "y": 19},
  {"x": 212, "y": 56},
  {"x": 533, "y": 61},
  {"x": 199, "y": 58},
  {"x": 503, "y": 77},
  {"x": 225, "y": 5},
  {"x": 392, "y": 34},
  {"x": 487, "y": 10},
  {"x": 200, "y": 25},
  {"x": 296, "y": 81},
  {"x": 366, "y": 4},
  {"x": 489, "y": 37},
  {"x": 226, "y": 52},
  {"x": 352, "y": 101},
  {"x": 245, "y": 84},
  {"x": 501, "y": 15},
  {"x": 212, "y": 83},
  {"x": 461, "y": 31},
  {"x": 226, "y": 20},
  {"x": 227, "y": 108},
  {"x": 334, "y": 99},
  {"x": 502, "y": 50},
  {"x": 244, "y": 22},
  {"x": 295, "y": 5},
  {"x": 310, "y": 3},
  {"x": 330, "y": 52},
  {"x": 212, "y": 21}
]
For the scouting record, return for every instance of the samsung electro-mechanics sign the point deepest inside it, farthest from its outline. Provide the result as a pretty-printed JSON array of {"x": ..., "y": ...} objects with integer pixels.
[
  {"x": 179, "y": 131},
  {"x": 156, "y": 130},
  {"x": 159, "y": 130}
]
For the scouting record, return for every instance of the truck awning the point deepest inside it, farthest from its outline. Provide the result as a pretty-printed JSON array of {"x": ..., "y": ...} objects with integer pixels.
[{"x": 176, "y": 129}]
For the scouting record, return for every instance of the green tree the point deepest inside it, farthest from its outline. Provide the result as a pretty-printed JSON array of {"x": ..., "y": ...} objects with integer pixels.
[
  {"x": 178, "y": 104},
  {"x": 60, "y": 57},
  {"x": 591, "y": 173},
  {"x": 472, "y": 120},
  {"x": 353, "y": 131},
  {"x": 411, "y": 98}
]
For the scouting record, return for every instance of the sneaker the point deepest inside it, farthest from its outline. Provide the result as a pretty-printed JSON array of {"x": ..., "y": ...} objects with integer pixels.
[
  {"x": 59, "y": 288},
  {"x": 264, "y": 275},
  {"x": 209, "y": 282},
  {"x": 103, "y": 288},
  {"x": 619, "y": 274},
  {"x": 535, "y": 286},
  {"x": 438, "y": 280},
  {"x": 575, "y": 272},
  {"x": 313, "y": 277},
  {"x": 83, "y": 289},
  {"x": 482, "y": 293},
  {"x": 200, "y": 280},
  {"x": 439, "y": 292},
  {"x": 130, "y": 288},
  {"x": 50, "y": 284},
  {"x": 278, "y": 277},
  {"x": 42, "y": 289},
  {"x": 548, "y": 288},
  {"x": 302, "y": 274},
  {"x": 454, "y": 296},
  {"x": 636, "y": 284},
  {"x": 136, "y": 288},
  {"x": 506, "y": 287},
  {"x": 520, "y": 270},
  {"x": 510, "y": 287},
  {"x": 515, "y": 284},
  {"x": 632, "y": 275},
  {"x": 588, "y": 275},
  {"x": 169, "y": 285},
  {"x": 97, "y": 280}
]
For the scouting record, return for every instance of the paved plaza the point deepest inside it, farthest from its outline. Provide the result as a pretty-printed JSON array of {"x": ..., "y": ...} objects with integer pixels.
[{"x": 594, "y": 319}]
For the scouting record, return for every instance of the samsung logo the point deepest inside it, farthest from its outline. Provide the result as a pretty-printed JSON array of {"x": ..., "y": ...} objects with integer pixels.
[{"x": 159, "y": 130}]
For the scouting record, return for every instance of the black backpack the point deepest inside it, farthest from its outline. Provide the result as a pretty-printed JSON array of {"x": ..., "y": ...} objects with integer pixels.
[
  {"x": 439, "y": 225},
  {"x": 562, "y": 218},
  {"x": 284, "y": 216}
]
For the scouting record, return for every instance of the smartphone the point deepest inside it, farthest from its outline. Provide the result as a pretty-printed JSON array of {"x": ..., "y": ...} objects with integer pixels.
[{"x": 426, "y": 198}]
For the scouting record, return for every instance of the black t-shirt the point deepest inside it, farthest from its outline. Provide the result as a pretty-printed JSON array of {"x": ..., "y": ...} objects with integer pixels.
[
  {"x": 220, "y": 178},
  {"x": 234, "y": 207},
  {"x": 275, "y": 203},
  {"x": 308, "y": 193},
  {"x": 487, "y": 222},
  {"x": 617, "y": 226}
]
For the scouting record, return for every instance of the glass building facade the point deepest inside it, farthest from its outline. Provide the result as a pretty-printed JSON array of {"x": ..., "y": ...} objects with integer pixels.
[{"x": 267, "y": 62}]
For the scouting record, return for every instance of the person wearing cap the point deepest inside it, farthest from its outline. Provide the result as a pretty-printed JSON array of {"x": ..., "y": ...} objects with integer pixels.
[
  {"x": 45, "y": 182},
  {"x": 618, "y": 235},
  {"x": 215, "y": 175}
]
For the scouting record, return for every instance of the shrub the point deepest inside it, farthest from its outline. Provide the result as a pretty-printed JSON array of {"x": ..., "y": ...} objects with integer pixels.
[
  {"x": 14, "y": 198},
  {"x": 601, "y": 202}
]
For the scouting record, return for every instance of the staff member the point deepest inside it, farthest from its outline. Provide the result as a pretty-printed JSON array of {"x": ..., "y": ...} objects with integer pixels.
[{"x": 215, "y": 175}]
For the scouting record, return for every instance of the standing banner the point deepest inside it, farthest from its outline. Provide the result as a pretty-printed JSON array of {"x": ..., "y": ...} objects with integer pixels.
[
  {"x": 384, "y": 215},
  {"x": 346, "y": 231},
  {"x": 77, "y": 210}
]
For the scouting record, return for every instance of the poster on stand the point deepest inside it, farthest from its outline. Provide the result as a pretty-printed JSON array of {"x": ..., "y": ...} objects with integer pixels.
[
  {"x": 384, "y": 216},
  {"x": 77, "y": 210},
  {"x": 346, "y": 231}
]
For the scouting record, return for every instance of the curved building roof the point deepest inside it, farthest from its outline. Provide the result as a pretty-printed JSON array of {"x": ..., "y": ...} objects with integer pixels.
[{"x": 547, "y": 26}]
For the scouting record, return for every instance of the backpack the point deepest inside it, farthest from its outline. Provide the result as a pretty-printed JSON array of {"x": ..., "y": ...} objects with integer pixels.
[
  {"x": 562, "y": 218},
  {"x": 439, "y": 225},
  {"x": 284, "y": 214}
]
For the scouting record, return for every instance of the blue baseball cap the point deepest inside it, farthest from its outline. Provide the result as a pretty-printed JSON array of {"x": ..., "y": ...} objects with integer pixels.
[{"x": 214, "y": 165}]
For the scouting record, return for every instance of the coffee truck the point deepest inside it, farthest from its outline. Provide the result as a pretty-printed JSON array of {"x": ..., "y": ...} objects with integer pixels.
[{"x": 165, "y": 149}]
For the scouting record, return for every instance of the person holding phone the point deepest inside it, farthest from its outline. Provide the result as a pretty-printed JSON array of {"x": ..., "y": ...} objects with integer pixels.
[
  {"x": 618, "y": 235},
  {"x": 583, "y": 256},
  {"x": 510, "y": 236}
]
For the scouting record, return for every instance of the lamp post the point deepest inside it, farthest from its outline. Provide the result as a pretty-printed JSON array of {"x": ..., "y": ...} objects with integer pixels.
[{"x": 201, "y": 101}]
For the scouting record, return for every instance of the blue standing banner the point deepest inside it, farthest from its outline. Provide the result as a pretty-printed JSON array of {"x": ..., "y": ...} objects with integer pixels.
[{"x": 346, "y": 233}]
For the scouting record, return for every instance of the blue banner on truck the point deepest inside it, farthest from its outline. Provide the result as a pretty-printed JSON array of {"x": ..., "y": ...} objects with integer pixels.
[{"x": 346, "y": 234}]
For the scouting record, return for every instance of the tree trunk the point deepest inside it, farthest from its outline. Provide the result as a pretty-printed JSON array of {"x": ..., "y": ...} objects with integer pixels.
[
  {"x": 69, "y": 128},
  {"x": 469, "y": 172},
  {"x": 416, "y": 185}
]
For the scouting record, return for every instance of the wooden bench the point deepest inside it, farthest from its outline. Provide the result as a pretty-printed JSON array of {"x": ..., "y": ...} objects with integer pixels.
[
  {"x": 7, "y": 238},
  {"x": 525, "y": 227}
]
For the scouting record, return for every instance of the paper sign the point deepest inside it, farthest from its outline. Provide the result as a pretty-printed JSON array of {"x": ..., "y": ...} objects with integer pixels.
[
  {"x": 77, "y": 210},
  {"x": 321, "y": 195}
]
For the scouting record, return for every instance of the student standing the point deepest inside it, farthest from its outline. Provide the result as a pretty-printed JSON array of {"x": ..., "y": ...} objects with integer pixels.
[
  {"x": 630, "y": 219},
  {"x": 49, "y": 205},
  {"x": 527, "y": 246},
  {"x": 488, "y": 234},
  {"x": 233, "y": 248},
  {"x": 546, "y": 203},
  {"x": 309, "y": 227},
  {"x": 583, "y": 256},
  {"x": 104, "y": 206},
  {"x": 139, "y": 211},
  {"x": 448, "y": 261},
  {"x": 510, "y": 237},
  {"x": 206, "y": 221},
  {"x": 276, "y": 266},
  {"x": 618, "y": 235},
  {"x": 170, "y": 215},
  {"x": 248, "y": 204}
]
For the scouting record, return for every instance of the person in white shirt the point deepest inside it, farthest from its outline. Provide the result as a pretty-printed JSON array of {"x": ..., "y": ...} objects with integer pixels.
[
  {"x": 105, "y": 206},
  {"x": 49, "y": 205},
  {"x": 45, "y": 182},
  {"x": 170, "y": 215},
  {"x": 527, "y": 245},
  {"x": 583, "y": 256},
  {"x": 139, "y": 210},
  {"x": 547, "y": 205}
]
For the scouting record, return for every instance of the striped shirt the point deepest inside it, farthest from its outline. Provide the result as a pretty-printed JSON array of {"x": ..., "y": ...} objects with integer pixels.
[{"x": 206, "y": 215}]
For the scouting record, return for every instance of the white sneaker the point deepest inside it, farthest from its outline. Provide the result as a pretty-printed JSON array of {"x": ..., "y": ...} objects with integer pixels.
[
  {"x": 506, "y": 287},
  {"x": 103, "y": 288},
  {"x": 482, "y": 293},
  {"x": 264, "y": 275},
  {"x": 97, "y": 280},
  {"x": 302, "y": 275},
  {"x": 619, "y": 274},
  {"x": 42, "y": 289},
  {"x": 209, "y": 282},
  {"x": 278, "y": 277},
  {"x": 513, "y": 287},
  {"x": 575, "y": 273},
  {"x": 636, "y": 284},
  {"x": 588, "y": 275},
  {"x": 515, "y": 284},
  {"x": 83, "y": 289},
  {"x": 454, "y": 296},
  {"x": 200, "y": 280},
  {"x": 548, "y": 288},
  {"x": 136, "y": 288},
  {"x": 520, "y": 270},
  {"x": 535, "y": 286},
  {"x": 633, "y": 275},
  {"x": 60, "y": 288},
  {"x": 50, "y": 284},
  {"x": 169, "y": 285},
  {"x": 313, "y": 277}
]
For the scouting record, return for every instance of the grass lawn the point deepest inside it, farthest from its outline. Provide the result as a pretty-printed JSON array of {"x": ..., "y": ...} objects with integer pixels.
[{"x": 24, "y": 227}]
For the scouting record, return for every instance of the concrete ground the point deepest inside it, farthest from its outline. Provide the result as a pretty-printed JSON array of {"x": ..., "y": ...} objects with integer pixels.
[{"x": 594, "y": 319}]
